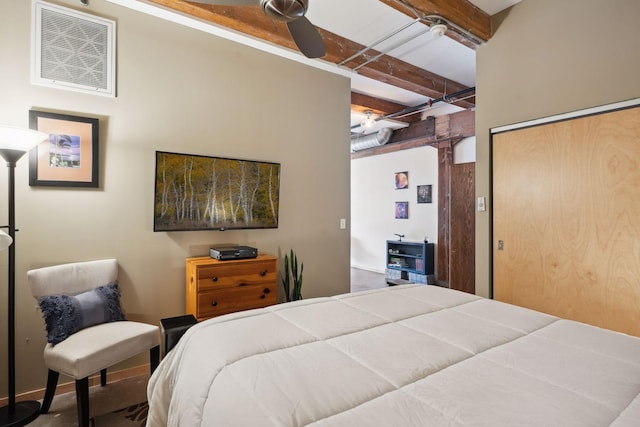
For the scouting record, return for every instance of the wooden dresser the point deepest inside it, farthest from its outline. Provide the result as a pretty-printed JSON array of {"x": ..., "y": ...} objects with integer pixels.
[{"x": 217, "y": 287}]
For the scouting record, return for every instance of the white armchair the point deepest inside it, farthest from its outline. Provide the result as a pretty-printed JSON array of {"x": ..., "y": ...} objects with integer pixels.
[{"x": 71, "y": 290}]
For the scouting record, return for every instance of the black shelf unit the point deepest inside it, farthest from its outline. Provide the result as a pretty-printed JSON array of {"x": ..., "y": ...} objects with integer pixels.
[{"x": 410, "y": 259}]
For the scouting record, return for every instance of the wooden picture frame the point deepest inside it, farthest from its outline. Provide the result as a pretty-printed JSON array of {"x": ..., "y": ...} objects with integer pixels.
[{"x": 70, "y": 157}]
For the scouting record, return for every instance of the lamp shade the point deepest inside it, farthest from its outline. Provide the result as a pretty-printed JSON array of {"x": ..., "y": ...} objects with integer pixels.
[
  {"x": 20, "y": 139},
  {"x": 5, "y": 240}
]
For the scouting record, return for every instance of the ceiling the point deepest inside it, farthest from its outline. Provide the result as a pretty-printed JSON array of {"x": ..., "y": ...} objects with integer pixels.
[
  {"x": 368, "y": 21},
  {"x": 397, "y": 67}
]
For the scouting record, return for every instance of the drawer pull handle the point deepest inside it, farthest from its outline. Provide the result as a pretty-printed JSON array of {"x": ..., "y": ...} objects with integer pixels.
[
  {"x": 263, "y": 296},
  {"x": 214, "y": 303},
  {"x": 263, "y": 273},
  {"x": 214, "y": 278},
  {"x": 243, "y": 284},
  {"x": 266, "y": 290}
]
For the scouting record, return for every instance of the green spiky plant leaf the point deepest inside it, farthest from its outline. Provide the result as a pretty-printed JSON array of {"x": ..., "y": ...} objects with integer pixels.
[
  {"x": 291, "y": 274},
  {"x": 286, "y": 279}
]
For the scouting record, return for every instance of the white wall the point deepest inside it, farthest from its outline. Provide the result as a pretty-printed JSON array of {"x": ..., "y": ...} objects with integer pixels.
[
  {"x": 373, "y": 197},
  {"x": 465, "y": 151}
]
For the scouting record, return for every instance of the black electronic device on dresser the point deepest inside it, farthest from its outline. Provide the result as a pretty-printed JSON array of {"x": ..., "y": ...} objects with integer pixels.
[{"x": 233, "y": 252}]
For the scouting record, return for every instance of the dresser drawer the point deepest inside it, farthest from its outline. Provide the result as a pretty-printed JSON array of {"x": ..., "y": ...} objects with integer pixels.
[
  {"x": 214, "y": 287},
  {"x": 220, "y": 301},
  {"x": 233, "y": 275}
]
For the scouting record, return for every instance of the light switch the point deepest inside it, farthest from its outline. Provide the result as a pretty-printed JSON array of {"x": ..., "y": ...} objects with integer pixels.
[
  {"x": 481, "y": 205},
  {"x": 343, "y": 223}
]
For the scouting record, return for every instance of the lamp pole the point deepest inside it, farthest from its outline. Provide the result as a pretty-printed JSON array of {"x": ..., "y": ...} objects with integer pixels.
[{"x": 15, "y": 414}]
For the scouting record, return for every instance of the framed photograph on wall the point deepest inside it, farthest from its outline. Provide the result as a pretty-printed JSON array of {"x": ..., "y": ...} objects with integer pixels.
[
  {"x": 424, "y": 193},
  {"x": 70, "y": 157},
  {"x": 402, "y": 210},
  {"x": 402, "y": 180}
]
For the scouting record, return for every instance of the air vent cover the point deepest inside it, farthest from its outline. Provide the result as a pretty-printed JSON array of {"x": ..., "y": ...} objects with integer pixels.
[{"x": 73, "y": 50}]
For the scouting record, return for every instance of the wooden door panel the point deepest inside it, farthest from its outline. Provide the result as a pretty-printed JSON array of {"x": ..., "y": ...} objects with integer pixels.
[
  {"x": 566, "y": 210},
  {"x": 462, "y": 229}
]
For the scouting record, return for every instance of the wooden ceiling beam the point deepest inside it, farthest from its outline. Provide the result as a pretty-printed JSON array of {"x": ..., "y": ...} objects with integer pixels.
[
  {"x": 436, "y": 132},
  {"x": 464, "y": 14},
  {"x": 397, "y": 73},
  {"x": 251, "y": 20},
  {"x": 363, "y": 103}
]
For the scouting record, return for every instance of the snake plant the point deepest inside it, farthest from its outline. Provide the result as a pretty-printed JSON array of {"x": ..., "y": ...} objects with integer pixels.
[{"x": 291, "y": 271}]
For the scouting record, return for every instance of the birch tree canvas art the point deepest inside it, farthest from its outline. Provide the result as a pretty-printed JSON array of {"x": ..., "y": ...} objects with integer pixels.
[{"x": 213, "y": 193}]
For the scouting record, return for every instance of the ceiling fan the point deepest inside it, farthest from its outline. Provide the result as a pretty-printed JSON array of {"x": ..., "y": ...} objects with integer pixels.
[{"x": 303, "y": 32}]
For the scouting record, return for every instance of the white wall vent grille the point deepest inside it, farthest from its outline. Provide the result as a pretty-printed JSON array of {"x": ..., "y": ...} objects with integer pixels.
[{"x": 72, "y": 50}]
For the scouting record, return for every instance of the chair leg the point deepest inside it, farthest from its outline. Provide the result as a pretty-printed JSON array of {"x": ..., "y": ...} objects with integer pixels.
[
  {"x": 103, "y": 377},
  {"x": 154, "y": 358},
  {"x": 82, "y": 401},
  {"x": 52, "y": 382}
]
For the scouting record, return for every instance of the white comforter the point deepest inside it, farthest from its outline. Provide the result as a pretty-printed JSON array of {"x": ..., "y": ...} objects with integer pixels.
[{"x": 410, "y": 355}]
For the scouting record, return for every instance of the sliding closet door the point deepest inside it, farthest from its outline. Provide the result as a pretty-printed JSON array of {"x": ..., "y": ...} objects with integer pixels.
[{"x": 566, "y": 219}]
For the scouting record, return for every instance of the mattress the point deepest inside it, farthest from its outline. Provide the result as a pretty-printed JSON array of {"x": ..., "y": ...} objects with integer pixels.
[{"x": 412, "y": 355}]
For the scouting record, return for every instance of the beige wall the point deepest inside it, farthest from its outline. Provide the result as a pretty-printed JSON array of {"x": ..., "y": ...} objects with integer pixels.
[
  {"x": 549, "y": 57},
  {"x": 184, "y": 91}
]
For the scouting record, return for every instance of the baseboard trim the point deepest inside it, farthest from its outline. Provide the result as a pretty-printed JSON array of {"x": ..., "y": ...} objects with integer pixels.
[
  {"x": 71, "y": 386},
  {"x": 373, "y": 270}
]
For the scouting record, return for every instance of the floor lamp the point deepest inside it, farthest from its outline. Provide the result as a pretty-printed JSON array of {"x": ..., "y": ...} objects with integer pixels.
[{"x": 14, "y": 143}]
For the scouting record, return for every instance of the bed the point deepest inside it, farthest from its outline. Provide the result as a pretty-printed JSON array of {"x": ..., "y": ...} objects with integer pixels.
[{"x": 411, "y": 355}]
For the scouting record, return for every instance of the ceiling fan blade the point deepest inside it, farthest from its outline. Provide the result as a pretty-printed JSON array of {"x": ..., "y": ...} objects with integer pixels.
[
  {"x": 228, "y": 2},
  {"x": 307, "y": 38}
]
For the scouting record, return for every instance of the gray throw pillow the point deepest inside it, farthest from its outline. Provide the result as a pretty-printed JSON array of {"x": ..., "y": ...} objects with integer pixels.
[{"x": 65, "y": 315}]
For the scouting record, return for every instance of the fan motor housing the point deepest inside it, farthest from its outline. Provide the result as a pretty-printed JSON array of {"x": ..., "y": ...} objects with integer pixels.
[{"x": 285, "y": 10}]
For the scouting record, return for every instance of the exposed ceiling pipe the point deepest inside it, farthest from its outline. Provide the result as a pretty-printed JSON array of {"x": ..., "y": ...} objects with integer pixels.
[
  {"x": 418, "y": 108},
  {"x": 372, "y": 140},
  {"x": 446, "y": 98},
  {"x": 377, "y": 42},
  {"x": 386, "y": 51},
  {"x": 434, "y": 19}
]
